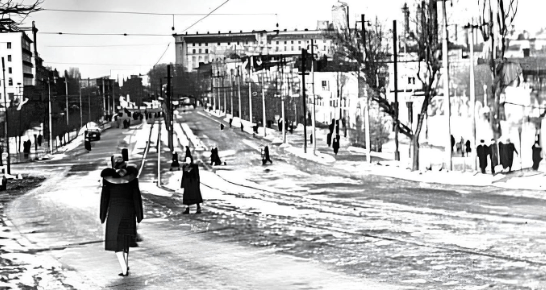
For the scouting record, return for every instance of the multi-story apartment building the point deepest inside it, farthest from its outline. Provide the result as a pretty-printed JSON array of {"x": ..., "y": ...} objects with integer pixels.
[
  {"x": 15, "y": 48},
  {"x": 192, "y": 49}
]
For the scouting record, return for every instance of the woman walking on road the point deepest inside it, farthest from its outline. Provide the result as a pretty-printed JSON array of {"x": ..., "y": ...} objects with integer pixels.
[
  {"x": 121, "y": 208},
  {"x": 191, "y": 185}
]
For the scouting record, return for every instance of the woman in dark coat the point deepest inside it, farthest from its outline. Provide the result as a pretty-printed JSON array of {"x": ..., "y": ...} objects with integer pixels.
[
  {"x": 121, "y": 208},
  {"x": 536, "y": 155},
  {"x": 191, "y": 184},
  {"x": 265, "y": 156}
]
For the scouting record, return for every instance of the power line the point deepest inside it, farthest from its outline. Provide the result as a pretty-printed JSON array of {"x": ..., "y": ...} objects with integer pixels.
[
  {"x": 205, "y": 16},
  {"x": 162, "y": 54},
  {"x": 158, "y": 14},
  {"x": 105, "y": 64},
  {"x": 106, "y": 45},
  {"x": 104, "y": 34}
]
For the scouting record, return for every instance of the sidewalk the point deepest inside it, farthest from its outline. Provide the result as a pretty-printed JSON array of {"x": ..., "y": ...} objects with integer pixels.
[{"x": 383, "y": 163}]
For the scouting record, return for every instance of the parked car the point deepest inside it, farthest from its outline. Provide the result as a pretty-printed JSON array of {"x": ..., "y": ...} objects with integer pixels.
[{"x": 93, "y": 134}]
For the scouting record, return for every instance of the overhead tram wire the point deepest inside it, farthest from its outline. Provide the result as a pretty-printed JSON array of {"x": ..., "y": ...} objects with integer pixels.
[
  {"x": 108, "y": 45},
  {"x": 162, "y": 54},
  {"x": 208, "y": 14},
  {"x": 105, "y": 34},
  {"x": 159, "y": 14}
]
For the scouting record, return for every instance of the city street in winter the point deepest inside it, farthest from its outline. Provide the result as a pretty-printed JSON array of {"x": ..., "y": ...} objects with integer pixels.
[{"x": 246, "y": 146}]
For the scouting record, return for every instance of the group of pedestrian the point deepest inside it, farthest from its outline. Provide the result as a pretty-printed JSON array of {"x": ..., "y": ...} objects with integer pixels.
[
  {"x": 503, "y": 152},
  {"x": 462, "y": 148},
  {"x": 121, "y": 204}
]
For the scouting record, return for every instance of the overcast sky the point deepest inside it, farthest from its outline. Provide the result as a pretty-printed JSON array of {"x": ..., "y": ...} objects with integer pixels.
[{"x": 127, "y": 55}]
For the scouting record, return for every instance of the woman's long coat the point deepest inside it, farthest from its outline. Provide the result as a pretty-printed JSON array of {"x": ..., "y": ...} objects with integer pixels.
[
  {"x": 191, "y": 183},
  {"x": 121, "y": 208}
]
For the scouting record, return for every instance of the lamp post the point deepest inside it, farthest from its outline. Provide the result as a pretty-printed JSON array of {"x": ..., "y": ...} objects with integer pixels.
[
  {"x": 6, "y": 116},
  {"x": 50, "y": 128}
]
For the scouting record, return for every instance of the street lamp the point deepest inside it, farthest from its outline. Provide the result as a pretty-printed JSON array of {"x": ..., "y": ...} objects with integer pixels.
[{"x": 50, "y": 128}]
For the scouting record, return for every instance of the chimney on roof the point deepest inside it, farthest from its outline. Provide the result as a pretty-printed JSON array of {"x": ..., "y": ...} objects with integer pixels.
[
  {"x": 207, "y": 32},
  {"x": 229, "y": 32},
  {"x": 296, "y": 29},
  {"x": 306, "y": 29},
  {"x": 218, "y": 31},
  {"x": 241, "y": 31},
  {"x": 285, "y": 29},
  {"x": 197, "y": 32}
]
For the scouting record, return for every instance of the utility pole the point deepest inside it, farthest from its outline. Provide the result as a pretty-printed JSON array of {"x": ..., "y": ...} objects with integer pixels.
[
  {"x": 103, "y": 98},
  {"x": 231, "y": 92},
  {"x": 66, "y": 86},
  {"x": 239, "y": 74},
  {"x": 263, "y": 102},
  {"x": 314, "y": 138},
  {"x": 395, "y": 54},
  {"x": 89, "y": 101},
  {"x": 50, "y": 119},
  {"x": 446, "y": 89},
  {"x": 6, "y": 117},
  {"x": 367, "y": 107},
  {"x": 81, "y": 114},
  {"x": 303, "y": 57},
  {"x": 250, "y": 89},
  {"x": 472, "y": 95},
  {"x": 282, "y": 102},
  {"x": 168, "y": 97}
]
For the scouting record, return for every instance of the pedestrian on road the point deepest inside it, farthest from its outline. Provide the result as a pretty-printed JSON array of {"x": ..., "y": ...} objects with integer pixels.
[
  {"x": 537, "y": 150},
  {"x": 493, "y": 155},
  {"x": 468, "y": 148},
  {"x": 242, "y": 127},
  {"x": 188, "y": 153},
  {"x": 265, "y": 155},
  {"x": 214, "y": 157},
  {"x": 509, "y": 150},
  {"x": 335, "y": 144},
  {"x": 452, "y": 143},
  {"x": 329, "y": 139},
  {"x": 221, "y": 126},
  {"x": 40, "y": 137},
  {"x": 460, "y": 147},
  {"x": 121, "y": 208},
  {"x": 191, "y": 186},
  {"x": 482, "y": 150}
]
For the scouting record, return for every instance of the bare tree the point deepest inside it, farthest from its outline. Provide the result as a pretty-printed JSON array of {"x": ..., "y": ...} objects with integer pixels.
[
  {"x": 374, "y": 55},
  {"x": 11, "y": 8},
  {"x": 496, "y": 20}
]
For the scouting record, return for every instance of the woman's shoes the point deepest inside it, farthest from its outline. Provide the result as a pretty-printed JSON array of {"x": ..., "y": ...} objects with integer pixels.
[
  {"x": 123, "y": 275},
  {"x": 187, "y": 211}
]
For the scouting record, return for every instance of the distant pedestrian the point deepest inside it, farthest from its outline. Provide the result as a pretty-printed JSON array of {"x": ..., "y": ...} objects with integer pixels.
[
  {"x": 214, "y": 157},
  {"x": 40, "y": 138},
  {"x": 508, "y": 151},
  {"x": 87, "y": 144},
  {"x": 311, "y": 139},
  {"x": 265, "y": 155},
  {"x": 121, "y": 208},
  {"x": 188, "y": 153},
  {"x": 230, "y": 122},
  {"x": 493, "y": 155},
  {"x": 335, "y": 144},
  {"x": 537, "y": 156},
  {"x": 221, "y": 126},
  {"x": 468, "y": 148},
  {"x": 329, "y": 139},
  {"x": 482, "y": 151},
  {"x": 242, "y": 127},
  {"x": 452, "y": 142},
  {"x": 191, "y": 185}
]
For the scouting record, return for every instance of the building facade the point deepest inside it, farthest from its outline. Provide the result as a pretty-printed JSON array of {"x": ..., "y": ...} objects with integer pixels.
[
  {"x": 18, "y": 63},
  {"x": 192, "y": 49}
]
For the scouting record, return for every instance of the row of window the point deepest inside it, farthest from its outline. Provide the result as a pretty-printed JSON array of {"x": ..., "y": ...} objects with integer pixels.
[
  {"x": 269, "y": 42},
  {"x": 194, "y": 51}
]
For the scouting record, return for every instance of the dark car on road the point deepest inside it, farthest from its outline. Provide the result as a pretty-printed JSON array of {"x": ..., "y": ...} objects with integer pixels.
[{"x": 93, "y": 134}]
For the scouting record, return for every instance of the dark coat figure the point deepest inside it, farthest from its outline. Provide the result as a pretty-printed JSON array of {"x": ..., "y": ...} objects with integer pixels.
[
  {"x": 508, "y": 151},
  {"x": 452, "y": 142},
  {"x": 242, "y": 127},
  {"x": 188, "y": 154},
  {"x": 221, "y": 126},
  {"x": 40, "y": 138},
  {"x": 191, "y": 184},
  {"x": 329, "y": 139},
  {"x": 335, "y": 144},
  {"x": 493, "y": 155},
  {"x": 537, "y": 150},
  {"x": 214, "y": 157},
  {"x": 482, "y": 150},
  {"x": 87, "y": 144},
  {"x": 230, "y": 121},
  {"x": 468, "y": 149},
  {"x": 502, "y": 155},
  {"x": 265, "y": 156},
  {"x": 26, "y": 148},
  {"x": 121, "y": 208},
  {"x": 280, "y": 124},
  {"x": 255, "y": 129}
]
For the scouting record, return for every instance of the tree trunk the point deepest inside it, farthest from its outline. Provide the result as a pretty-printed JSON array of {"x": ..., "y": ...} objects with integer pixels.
[{"x": 415, "y": 153}]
